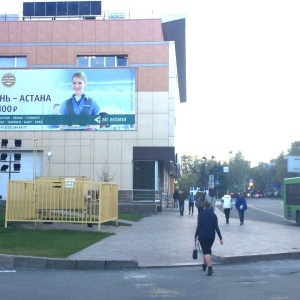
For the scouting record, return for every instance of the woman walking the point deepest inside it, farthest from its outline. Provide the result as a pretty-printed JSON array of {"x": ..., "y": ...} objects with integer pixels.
[
  {"x": 241, "y": 206},
  {"x": 226, "y": 201},
  {"x": 206, "y": 231},
  {"x": 191, "y": 203}
]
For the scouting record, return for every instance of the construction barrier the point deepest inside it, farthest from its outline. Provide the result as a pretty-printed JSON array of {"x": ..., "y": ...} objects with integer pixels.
[{"x": 63, "y": 200}]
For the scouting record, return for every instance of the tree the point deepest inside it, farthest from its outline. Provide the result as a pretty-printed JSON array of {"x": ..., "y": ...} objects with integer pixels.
[
  {"x": 294, "y": 149},
  {"x": 262, "y": 177},
  {"x": 191, "y": 168},
  {"x": 106, "y": 175},
  {"x": 238, "y": 176},
  {"x": 266, "y": 176}
]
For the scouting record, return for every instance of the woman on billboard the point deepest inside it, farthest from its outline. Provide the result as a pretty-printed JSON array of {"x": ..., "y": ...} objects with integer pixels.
[{"x": 79, "y": 104}]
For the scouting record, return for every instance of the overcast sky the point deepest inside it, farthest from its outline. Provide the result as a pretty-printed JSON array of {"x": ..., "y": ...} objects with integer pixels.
[{"x": 242, "y": 74}]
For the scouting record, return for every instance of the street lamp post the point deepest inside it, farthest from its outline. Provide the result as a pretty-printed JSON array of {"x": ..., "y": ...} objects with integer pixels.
[
  {"x": 218, "y": 168},
  {"x": 210, "y": 182},
  {"x": 217, "y": 173},
  {"x": 205, "y": 170}
]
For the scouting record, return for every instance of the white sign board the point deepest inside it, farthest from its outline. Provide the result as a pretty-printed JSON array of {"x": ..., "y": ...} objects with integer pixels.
[{"x": 293, "y": 164}]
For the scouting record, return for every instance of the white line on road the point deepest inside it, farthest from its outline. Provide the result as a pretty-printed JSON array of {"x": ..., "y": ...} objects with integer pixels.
[
  {"x": 266, "y": 211},
  {"x": 7, "y": 271}
]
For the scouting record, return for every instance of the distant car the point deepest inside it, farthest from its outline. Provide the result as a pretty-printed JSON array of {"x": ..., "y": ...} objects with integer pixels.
[{"x": 258, "y": 195}]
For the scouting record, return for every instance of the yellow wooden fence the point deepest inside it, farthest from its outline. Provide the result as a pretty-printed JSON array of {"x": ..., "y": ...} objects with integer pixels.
[{"x": 73, "y": 201}]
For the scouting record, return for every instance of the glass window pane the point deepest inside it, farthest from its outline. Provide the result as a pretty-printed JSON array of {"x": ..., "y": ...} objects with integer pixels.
[
  {"x": 22, "y": 62},
  {"x": 7, "y": 62},
  {"x": 13, "y": 62},
  {"x": 121, "y": 61},
  {"x": 110, "y": 61},
  {"x": 144, "y": 175},
  {"x": 100, "y": 61},
  {"x": 82, "y": 61},
  {"x": 97, "y": 61}
]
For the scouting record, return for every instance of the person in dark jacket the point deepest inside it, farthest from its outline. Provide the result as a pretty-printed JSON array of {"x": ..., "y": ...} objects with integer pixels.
[
  {"x": 206, "y": 231},
  {"x": 200, "y": 197},
  {"x": 181, "y": 199},
  {"x": 175, "y": 197},
  {"x": 241, "y": 206}
]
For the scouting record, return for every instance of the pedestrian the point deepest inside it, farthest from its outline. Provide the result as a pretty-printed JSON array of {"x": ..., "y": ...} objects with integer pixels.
[
  {"x": 181, "y": 199},
  {"x": 175, "y": 198},
  {"x": 212, "y": 197},
  {"x": 191, "y": 203},
  {"x": 226, "y": 201},
  {"x": 206, "y": 232},
  {"x": 241, "y": 206},
  {"x": 200, "y": 198}
]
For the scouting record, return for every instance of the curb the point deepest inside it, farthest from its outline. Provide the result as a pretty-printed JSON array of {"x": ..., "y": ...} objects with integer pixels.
[
  {"x": 255, "y": 257},
  {"x": 29, "y": 262}
]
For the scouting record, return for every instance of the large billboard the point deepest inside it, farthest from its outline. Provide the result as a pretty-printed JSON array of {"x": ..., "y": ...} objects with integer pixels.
[{"x": 67, "y": 99}]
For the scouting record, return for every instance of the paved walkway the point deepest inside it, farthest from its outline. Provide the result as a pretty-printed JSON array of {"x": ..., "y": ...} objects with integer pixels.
[{"x": 167, "y": 239}]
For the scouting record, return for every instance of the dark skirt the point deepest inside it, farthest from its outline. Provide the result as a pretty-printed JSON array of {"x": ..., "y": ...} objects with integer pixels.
[{"x": 206, "y": 245}]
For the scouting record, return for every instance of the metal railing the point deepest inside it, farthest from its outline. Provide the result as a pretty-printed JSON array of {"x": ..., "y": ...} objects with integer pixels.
[
  {"x": 82, "y": 202},
  {"x": 139, "y": 196}
]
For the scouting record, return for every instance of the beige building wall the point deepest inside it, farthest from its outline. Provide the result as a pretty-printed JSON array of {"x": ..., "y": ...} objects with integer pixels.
[{"x": 56, "y": 44}]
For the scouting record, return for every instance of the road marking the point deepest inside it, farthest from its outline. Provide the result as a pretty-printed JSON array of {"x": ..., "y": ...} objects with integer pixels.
[
  {"x": 265, "y": 211},
  {"x": 6, "y": 271}
]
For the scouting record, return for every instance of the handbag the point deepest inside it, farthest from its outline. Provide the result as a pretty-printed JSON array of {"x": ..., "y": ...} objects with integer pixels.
[{"x": 195, "y": 252}]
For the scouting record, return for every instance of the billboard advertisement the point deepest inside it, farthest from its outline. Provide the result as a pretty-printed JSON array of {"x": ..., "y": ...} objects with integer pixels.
[{"x": 67, "y": 99}]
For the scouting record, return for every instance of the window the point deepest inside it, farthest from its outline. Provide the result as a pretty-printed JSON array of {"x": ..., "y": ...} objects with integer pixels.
[
  {"x": 13, "y": 61},
  {"x": 144, "y": 175},
  {"x": 102, "y": 61}
]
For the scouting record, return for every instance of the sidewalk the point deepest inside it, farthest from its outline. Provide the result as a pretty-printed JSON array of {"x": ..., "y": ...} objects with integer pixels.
[{"x": 167, "y": 239}]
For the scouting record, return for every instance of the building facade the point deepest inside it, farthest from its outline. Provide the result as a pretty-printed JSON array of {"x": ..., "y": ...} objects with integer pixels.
[{"x": 134, "y": 63}]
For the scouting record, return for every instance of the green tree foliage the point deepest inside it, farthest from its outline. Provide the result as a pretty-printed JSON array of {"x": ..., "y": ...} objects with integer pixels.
[
  {"x": 294, "y": 149},
  {"x": 262, "y": 177},
  {"x": 265, "y": 177},
  {"x": 191, "y": 167},
  {"x": 238, "y": 176}
]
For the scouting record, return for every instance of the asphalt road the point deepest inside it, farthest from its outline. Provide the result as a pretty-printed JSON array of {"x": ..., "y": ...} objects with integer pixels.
[
  {"x": 268, "y": 210},
  {"x": 260, "y": 281}
]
